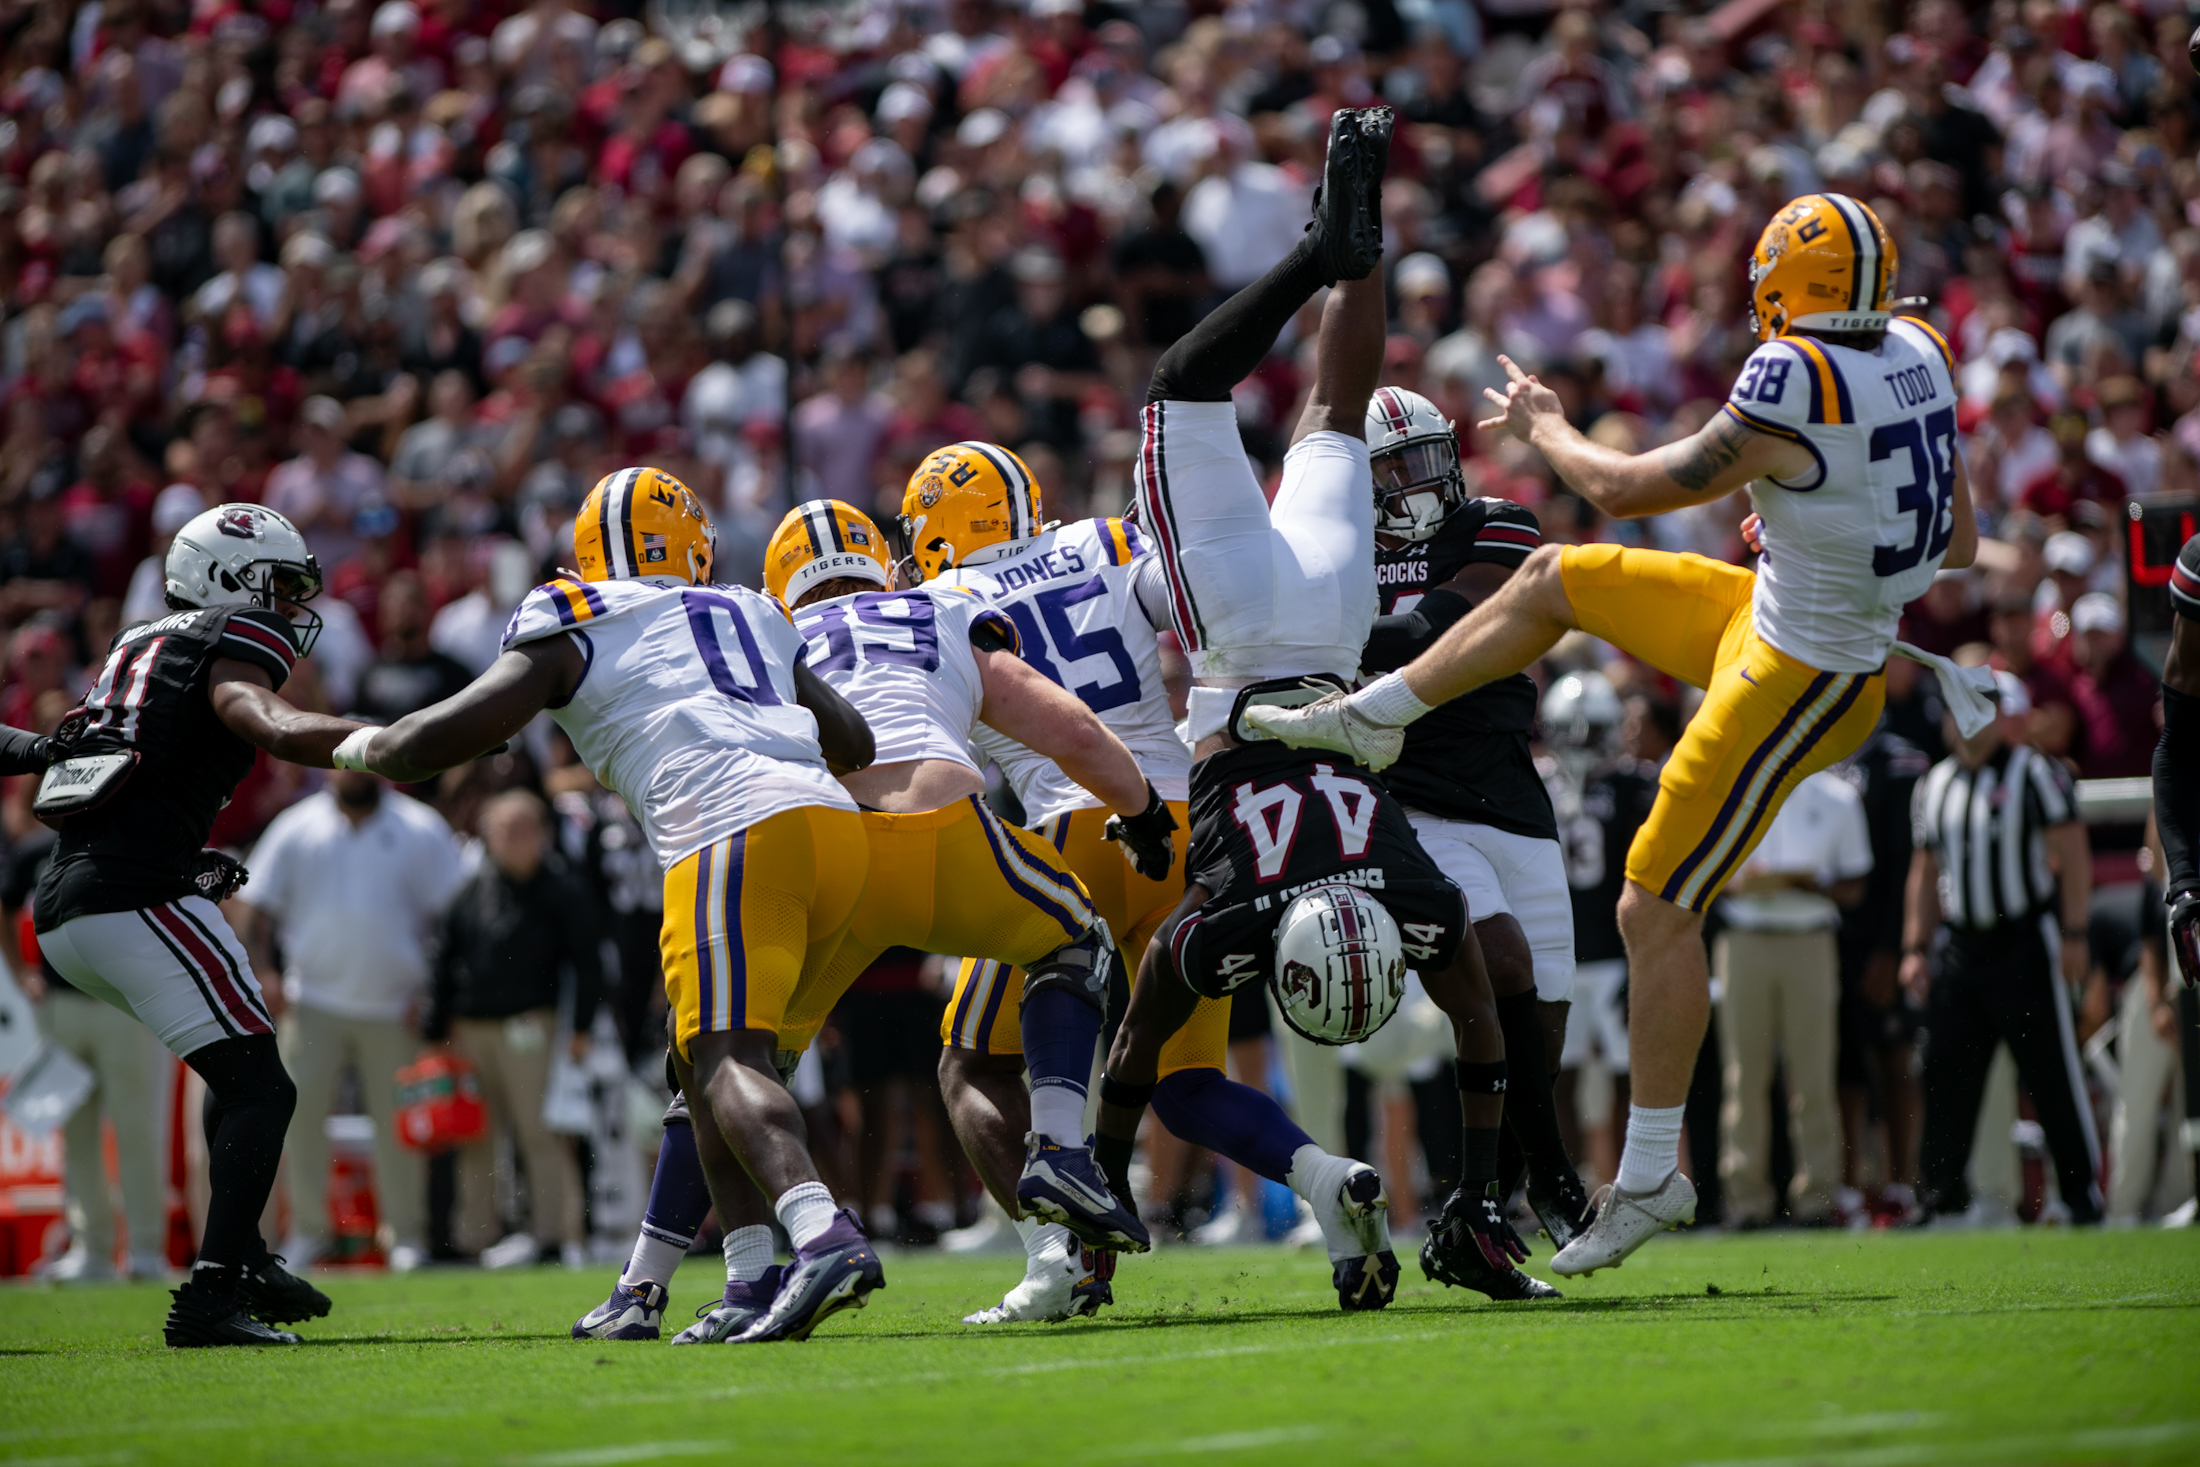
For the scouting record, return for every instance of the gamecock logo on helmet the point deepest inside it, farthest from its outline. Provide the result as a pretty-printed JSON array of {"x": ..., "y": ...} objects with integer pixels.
[{"x": 240, "y": 523}]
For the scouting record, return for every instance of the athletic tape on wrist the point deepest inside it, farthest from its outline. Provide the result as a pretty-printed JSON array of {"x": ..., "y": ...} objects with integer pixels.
[
  {"x": 1479, "y": 1079},
  {"x": 1129, "y": 1097},
  {"x": 352, "y": 752}
]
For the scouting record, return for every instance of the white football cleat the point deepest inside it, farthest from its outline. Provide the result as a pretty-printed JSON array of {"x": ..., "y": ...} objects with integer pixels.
[
  {"x": 1330, "y": 722},
  {"x": 1048, "y": 1292},
  {"x": 1624, "y": 1222}
]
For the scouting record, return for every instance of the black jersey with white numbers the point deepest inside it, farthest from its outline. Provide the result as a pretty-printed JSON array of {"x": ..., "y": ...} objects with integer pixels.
[
  {"x": 139, "y": 849},
  {"x": 1469, "y": 760},
  {"x": 1614, "y": 803}
]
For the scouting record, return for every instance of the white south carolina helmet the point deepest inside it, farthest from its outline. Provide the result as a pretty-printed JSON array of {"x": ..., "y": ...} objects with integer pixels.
[
  {"x": 1340, "y": 964},
  {"x": 244, "y": 555},
  {"x": 1414, "y": 454}
]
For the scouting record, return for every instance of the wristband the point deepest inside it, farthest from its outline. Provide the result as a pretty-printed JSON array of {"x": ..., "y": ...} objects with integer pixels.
[{"x": 352, "y": 752}]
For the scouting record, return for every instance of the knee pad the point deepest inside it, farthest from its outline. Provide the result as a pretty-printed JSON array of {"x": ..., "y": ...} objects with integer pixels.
[
  {"x": 1080, "y": 968},
  {"x": 676, "y": 1114}
]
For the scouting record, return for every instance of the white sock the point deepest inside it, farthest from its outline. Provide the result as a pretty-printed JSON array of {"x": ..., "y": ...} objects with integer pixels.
[
  {"x": 1058, "y": 1113},
  {"x": 1653, "y": 1149},
  {"x": 1388, "y": 701},
  {"x": 748, "y": 1253},
  {"x": 1044, "y": 1243},
  {"x": 805, "y": 1211},
  {"x": 656, "y": 1258}
]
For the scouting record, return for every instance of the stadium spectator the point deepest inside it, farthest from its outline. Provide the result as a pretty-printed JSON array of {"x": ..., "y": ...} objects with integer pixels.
[
  {"x": 509, "y": 937},
  {"x": 349, "y": 881}
]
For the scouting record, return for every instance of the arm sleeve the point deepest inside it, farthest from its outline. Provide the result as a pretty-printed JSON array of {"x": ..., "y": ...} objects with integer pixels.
[
  {"x": 262, "y": 638},
  {"x": 1397, "y": 639},
  {"x": 21, "y": 752}
]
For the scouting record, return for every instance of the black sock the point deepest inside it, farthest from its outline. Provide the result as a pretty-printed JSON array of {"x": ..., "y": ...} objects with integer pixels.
[
  {"x": 1436, "y": 1118},
  {"x": 1113, "y": 1154},
  {"x": 1224, "y": 348},
  {"x": 249, "y": 1098},
  {"x": 1512, "y": 1162},
  {"x": 1531, "y": 1109},
  {"x": 1478, "y": 1158}
]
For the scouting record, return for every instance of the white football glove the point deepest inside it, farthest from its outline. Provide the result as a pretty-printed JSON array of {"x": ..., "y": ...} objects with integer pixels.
[{"x": 1330, "y": 722}]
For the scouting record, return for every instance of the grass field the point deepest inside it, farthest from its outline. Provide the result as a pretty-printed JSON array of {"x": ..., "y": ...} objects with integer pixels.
[{"x": 1873, "y": 1351}]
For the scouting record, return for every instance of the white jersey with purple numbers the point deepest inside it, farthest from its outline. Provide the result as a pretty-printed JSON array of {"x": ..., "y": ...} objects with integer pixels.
[
  {"x": 1858, "y": 535},
  {"x": 687, "y": 707},
  {"x": 904, "y": 659},
  {"x": 1087, "y": 599}
]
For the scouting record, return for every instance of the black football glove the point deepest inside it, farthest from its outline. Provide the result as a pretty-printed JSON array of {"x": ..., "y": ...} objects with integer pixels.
[
  {"x": 219, "y": 877},
  {"x": 1144, "y": 837},
  {"x": 1481, "y": 1219},
  {"x": 2184, "y": 934}
]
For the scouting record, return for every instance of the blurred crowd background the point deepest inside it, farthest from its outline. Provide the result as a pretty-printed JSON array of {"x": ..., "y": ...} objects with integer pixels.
[{"x": 416, "y": 274}]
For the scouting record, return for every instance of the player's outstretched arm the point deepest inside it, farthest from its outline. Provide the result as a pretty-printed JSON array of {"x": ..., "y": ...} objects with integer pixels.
[
  {"x": 1719, "y": 459},
  {"x": 246, "y": 702},
  {"x": 841, "y": 731},
  {"x": 2177, "y": 785},
  {"x": 1023, "y": 704},
  {"x": 485, "y": 713}
]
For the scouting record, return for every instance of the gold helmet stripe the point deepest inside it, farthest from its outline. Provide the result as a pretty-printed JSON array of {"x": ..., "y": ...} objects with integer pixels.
[
  {"x": 1019, "y": 488},
  {"x": 1864, "y": 289}
]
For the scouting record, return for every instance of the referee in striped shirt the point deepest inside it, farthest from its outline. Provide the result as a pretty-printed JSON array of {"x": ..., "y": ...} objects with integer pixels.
[{"x": 1996, "y": 823}]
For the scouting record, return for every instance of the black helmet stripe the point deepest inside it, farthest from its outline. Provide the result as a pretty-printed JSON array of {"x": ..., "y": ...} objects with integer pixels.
[{"x": 1019, "y": 487}]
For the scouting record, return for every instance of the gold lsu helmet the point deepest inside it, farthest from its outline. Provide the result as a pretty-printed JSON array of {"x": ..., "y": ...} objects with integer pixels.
[
  {"x": 822, "y": 540},
  {"x": 965, "y": 504},
  {"x": 1824, "y": 263},
  {"x": 644, "y": 525}
]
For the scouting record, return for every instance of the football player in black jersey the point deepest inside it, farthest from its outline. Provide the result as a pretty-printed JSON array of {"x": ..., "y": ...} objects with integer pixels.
[
  {"x": 2177, "y": 764},
  {"x": 1303, "y": 871},
  {"x": 127, "y": 908},
  {"x": 1467, "y": 777}
]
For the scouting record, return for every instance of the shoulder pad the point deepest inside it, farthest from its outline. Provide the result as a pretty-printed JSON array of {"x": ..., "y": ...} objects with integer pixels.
[{"x": 259, "y": 636}]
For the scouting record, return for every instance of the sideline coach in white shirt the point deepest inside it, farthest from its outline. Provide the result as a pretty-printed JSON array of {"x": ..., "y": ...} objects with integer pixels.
[
  {"x": 1781, "y": 980},
  {"x": 352, "y": 879}
]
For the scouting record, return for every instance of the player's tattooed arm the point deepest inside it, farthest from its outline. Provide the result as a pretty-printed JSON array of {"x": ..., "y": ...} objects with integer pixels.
[
  {"x": 1720, "y": 458},
  {"x": 1699, "y": 462}
]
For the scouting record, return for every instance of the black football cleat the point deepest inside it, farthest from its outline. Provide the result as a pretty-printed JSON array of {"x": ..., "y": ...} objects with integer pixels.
[
  {"x": 1471, "y": 1246},
  {"x": 1365, "y": 1283},
  {"x": 838, "y": 1271},
  {"x": 1347, "y": 232},
  {"x": 1561, "y": 1204},
  {"x": 206, "y": 1314},
  {"x": 274, "y": 1294}
]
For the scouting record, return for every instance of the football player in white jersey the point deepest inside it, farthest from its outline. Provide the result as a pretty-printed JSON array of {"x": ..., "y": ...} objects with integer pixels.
[
  {"x": 1301, "y": 871},
  {"x": 930, "y": 669},
  {"x": 1086, "y": 599},
  {"x": 691, "y": 701},
  {"x": 1843, "y": 426}
]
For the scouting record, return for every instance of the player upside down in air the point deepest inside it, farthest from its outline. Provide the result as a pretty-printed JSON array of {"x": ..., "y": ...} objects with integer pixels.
[
  {"x": 1843, "y": 426},
  {"x": 927, "y": 669},
  {"x": 1300, "y": 870},
  {"x": 692, "y": 702}
]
